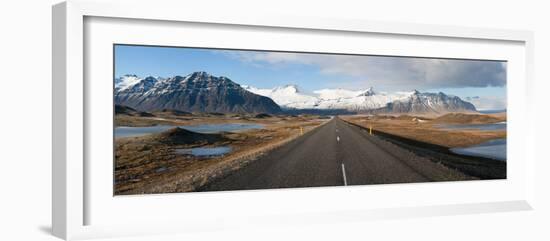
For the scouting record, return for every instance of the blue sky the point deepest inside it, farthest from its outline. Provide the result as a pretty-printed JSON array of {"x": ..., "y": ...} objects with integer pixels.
[
  {"x": 261, "y": 69},
  {"x": 167, "y": 62}
]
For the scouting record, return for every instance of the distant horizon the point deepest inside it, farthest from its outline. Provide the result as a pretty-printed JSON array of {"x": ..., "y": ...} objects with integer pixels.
[{"x": 481, "y": 81}]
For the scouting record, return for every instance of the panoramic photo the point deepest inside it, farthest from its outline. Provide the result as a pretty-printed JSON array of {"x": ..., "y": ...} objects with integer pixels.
[{"x": 198, "y": 119}]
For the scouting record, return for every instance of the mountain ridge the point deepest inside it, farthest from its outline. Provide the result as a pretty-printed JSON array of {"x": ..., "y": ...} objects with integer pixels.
[
  {"x": 196, "y": 92},
  {"x": 367, "y": 101},
  {"x": 202, "y": 92}
]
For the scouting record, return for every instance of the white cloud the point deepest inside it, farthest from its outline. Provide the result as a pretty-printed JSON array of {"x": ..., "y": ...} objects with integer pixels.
[
  {"x": 487, "y": 102},
  {"x": 391, "y": 72}
]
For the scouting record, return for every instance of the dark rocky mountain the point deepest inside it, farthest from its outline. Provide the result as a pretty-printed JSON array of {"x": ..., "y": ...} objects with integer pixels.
[
  {"x": 196, "y": 92},
  {"x": 438, "y": 103}
]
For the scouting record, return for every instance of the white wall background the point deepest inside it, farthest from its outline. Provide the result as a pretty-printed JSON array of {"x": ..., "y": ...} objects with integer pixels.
[{"x": 25, "y": 120}]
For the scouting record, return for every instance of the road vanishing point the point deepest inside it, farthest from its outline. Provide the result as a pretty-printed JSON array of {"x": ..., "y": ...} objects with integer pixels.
[{"x": 334, "y": 154}]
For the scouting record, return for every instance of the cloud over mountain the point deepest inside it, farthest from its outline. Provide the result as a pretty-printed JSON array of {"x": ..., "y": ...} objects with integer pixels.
[
  {"x": 392, "y": 72},
  {"x": 488, "y": 102}
]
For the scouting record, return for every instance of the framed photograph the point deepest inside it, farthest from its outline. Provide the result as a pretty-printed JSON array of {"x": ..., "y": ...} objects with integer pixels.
[{"x": 168, "y": 123}]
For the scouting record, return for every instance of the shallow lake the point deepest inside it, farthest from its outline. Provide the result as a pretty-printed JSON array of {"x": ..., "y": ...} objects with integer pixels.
[
  {"x": 495, "y": 149},
  {"x": 484, "y": 127},
  {"x": 204, "y": 151},
  {"x": 216, "y": 128},
  {"x": 127, "y": 131}
]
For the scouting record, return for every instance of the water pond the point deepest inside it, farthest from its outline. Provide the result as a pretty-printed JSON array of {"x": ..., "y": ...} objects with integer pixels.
[
  {"x": 495, "y": 149},
  {"x": 204, "y": 151}
]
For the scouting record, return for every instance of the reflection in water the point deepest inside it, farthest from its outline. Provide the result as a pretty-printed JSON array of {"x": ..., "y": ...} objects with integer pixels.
[
  {"x": 215, "y": 128},
  {"x": 495, "y": 149},
  {"x": 204, "y": 151}
]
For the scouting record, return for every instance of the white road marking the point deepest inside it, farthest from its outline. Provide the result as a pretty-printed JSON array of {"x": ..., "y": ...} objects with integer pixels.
[
  {"x": 344, "y": 174},
  {"x": 337, "y": 138}
]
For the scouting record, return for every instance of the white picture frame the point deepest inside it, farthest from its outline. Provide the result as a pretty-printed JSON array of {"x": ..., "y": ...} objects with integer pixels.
[{"x": 72, "y": 189}]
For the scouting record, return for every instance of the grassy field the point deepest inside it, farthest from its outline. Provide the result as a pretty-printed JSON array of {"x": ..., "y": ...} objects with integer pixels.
[
  {"x": 149, "y": 164},
  {"x": 428, "y": 129},
  {"x": 425, "y": 137}
]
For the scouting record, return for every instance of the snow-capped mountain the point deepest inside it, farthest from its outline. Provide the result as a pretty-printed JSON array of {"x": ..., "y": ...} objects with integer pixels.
[
  {"x": 360, "y": 101},
  {"x": 196, "y": 92},
  {"x": 330, "y": 94},
  {"x": 438, "y": 103},
  {"x": 287, "y": 96},
  {"x": 125, "y": 81},
  {"x": 202, "y": 92}
]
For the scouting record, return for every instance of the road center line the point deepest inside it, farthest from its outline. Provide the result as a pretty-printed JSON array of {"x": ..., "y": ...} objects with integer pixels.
[
  {"x": 337, "y": 138},
  {"x": 344, "y": 174}
]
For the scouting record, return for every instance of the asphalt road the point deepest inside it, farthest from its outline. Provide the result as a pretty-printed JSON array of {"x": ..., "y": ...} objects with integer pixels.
[{"x": 334, "y": 154}]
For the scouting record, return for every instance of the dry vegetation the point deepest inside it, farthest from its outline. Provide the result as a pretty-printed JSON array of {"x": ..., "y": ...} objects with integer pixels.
[
  {"x": 427, "y": 130},
  {"x": 149, "y": 164}
]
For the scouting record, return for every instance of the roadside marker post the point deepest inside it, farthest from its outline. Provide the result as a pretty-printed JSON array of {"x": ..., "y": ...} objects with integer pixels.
[
  {"x": 370, "y": 130},
  {"x": 301, "y": 130}
]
